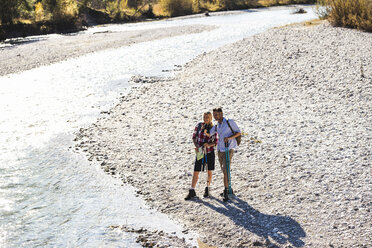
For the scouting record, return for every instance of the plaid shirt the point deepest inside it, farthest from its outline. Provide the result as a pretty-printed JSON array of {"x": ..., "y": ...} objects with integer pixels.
[{"x": 201, "y": 138}]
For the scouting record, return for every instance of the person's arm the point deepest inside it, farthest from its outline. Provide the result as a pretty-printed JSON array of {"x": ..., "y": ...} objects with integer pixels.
[
  {"x": 195, "y": 144},
  {"x": 206, "y": 133},
  {"x": 232, "y": 137},
  {"x": 213, "y": 143},
  {"x": 213, "y": 130},
  {"x": 194, "y": 137},
  {"x": 206, "y": 145}
]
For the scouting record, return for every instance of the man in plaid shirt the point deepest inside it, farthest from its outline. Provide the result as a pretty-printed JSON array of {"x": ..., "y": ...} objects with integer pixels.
[{"x": 204, "y": 148}]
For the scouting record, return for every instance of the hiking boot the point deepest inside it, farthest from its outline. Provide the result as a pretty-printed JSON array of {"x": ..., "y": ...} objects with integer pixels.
[
  {"x": 226, "y": 195},
  {"x": 206, "y": 192},
  {"x": 232, "y": 192},
  {"x": 190, "y": 195}
]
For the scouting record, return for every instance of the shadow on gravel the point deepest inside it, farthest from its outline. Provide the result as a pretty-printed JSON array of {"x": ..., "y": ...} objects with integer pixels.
[
  {"x": 281, "y": 229},
  {"x": 23, "y": 41},
  {"x": 248, "y": 10}
]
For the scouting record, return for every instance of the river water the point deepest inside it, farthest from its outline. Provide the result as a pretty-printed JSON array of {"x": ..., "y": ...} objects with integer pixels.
[{"x": 51, "y": 196}]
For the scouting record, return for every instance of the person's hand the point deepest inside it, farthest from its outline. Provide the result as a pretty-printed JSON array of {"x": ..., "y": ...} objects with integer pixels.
[
  {"x": 196, "y": 149},
  {"x": 206, "y": 145},
  {"x": 226, "y": 139}
]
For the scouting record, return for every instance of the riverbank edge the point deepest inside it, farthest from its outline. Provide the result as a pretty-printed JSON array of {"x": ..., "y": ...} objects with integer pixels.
[
  {"x": 21, "y": 55},
  {"x": 20, "y": 30}
]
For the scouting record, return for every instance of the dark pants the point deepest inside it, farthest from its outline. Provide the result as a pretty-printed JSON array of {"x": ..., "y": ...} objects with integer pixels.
[{"x": 208, "y": 161}]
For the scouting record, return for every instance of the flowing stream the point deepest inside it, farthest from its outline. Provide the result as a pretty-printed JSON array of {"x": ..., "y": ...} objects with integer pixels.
[{"x": 50, "y": 195}]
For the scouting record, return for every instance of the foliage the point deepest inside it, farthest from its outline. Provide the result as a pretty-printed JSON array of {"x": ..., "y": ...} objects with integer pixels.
[
  {"x": 12, "y": 9},
  {"x": 120, "y": 10},
  {"x": 283, "y": 2},
  {"x": 195, "y": 6},
  {"x": 176, "y": 7},
  {"x": 348, "y": 13},
  {"x": 69, "y": 10},
  {"x": 65, "y": 10},
  {"x": 39, "y": 12}
]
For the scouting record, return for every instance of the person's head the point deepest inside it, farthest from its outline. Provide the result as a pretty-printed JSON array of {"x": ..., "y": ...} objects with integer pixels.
[
  {"x": 207, "y": 117},
  {"x": 217, "y": 114}
]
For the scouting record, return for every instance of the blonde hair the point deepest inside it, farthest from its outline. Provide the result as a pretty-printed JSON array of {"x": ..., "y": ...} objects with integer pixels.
[{"x": 209, "y": 114}]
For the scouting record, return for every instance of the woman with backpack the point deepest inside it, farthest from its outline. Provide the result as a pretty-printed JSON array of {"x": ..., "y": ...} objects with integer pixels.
[{"x": 205, "y": 157}]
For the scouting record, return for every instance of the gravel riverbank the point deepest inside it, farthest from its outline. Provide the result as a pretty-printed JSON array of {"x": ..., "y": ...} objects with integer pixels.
[
  {"x": 44, "y": 50},
  {"x": 302, "y": 175}
]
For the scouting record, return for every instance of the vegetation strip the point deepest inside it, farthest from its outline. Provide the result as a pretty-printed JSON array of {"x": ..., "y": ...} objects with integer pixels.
[{"x": 30, "y": 17}]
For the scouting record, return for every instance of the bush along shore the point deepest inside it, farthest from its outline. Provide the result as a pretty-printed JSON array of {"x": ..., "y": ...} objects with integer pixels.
[
  {"x": 301, "y": 176},
  {"x": 19, "y": 18},
  {"x": 86, "y": 17},
  {"x": 347, "y": 13}
]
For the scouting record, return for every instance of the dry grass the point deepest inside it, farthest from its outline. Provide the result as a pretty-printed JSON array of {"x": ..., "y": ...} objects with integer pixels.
[
  {"x": 310, "y": 23},
  {"x": 313, "y": 22},
  {"x": 349, "y": 13}
]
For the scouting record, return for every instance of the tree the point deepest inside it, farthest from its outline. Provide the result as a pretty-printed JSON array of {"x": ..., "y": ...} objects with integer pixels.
[{"x": 12, "y": 9}]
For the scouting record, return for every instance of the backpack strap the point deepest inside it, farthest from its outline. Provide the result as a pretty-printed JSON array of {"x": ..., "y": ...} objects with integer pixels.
[
  {"x": 199, "y": 128},
  {"x": 215, "y": 130},
  {"x": 230, "y": 127},
  {"x": 238, "y": 139}
]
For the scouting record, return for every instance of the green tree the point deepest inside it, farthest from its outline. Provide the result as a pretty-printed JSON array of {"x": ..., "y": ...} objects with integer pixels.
[
  {"x": 61, "y": 10},
  {"x": 12, "y": 9}
]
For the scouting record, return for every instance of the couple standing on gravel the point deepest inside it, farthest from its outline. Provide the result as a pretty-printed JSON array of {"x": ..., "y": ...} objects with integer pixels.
[{"x": 205, "y": 137}]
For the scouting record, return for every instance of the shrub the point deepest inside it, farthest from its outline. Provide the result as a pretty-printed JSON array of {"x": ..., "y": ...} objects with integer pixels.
[
  {"x": 348, "y": 13},
  {"x": 196, "y": 6},
  {"x": 65, "y": 10},
  {"x": 134, "y": 3},
  {"x": 12, "y": 9},
  {"x": 39, "y": 12},
  {"x": 176, "y": 7},
  {"x": 112, "y": 8},
  {"x": 65, "y": 15},
  {"x": 120, "y": 10}
]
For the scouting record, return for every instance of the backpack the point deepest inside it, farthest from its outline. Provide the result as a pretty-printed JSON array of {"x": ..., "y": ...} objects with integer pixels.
[
  {"x": 199, "y": 130},
  {"x": 239, "y": 138}
]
